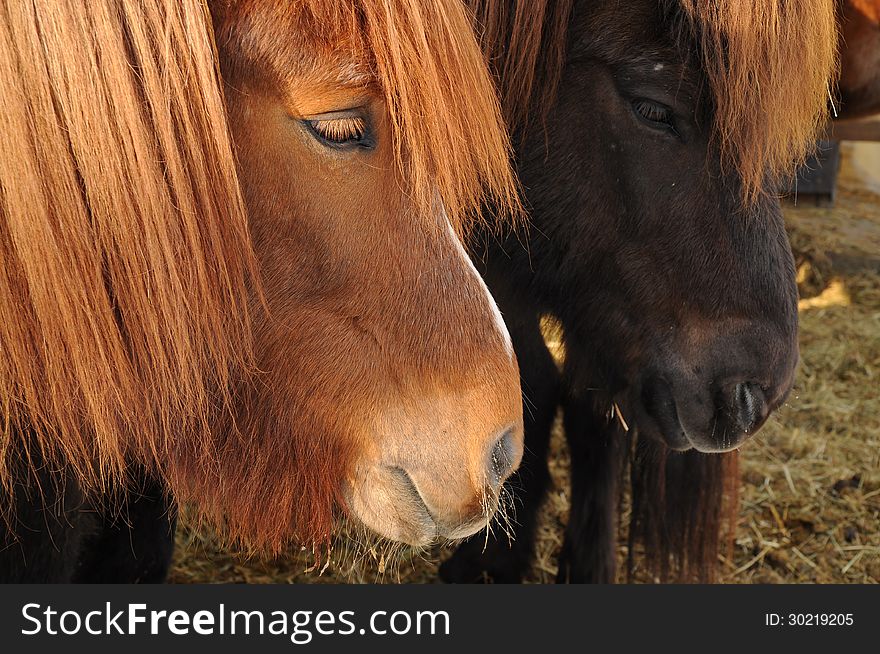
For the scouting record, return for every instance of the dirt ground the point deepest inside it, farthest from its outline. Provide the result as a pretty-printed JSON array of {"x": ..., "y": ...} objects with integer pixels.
[{"x": 810, "y": 501}]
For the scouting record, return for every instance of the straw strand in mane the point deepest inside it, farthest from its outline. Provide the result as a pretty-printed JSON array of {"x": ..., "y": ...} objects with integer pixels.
[{"x": 123, "y": 241}]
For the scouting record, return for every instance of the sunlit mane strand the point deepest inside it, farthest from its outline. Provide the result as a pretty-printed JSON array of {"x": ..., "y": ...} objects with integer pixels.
[{"x": 124, "y": 254}]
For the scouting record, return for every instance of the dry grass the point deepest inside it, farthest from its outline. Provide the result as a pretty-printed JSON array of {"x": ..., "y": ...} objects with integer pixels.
[{"x": 810, "y": 507}]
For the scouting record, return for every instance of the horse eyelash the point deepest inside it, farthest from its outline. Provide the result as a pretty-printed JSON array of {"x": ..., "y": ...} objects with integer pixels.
[
  {"x": 340, "y": 131},
  {"x": 661, "y": 116},
  {"x": 653, "y": 112}
]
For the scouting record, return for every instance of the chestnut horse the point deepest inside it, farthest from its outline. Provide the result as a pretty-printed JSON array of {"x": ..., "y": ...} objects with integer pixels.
[
  {"x": 649, "y": 136},
  {"x": 859, "y": 58},
  {"x": 230, "y": 260}
]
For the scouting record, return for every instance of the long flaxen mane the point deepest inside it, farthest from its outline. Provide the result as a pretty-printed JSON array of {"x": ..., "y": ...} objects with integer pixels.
[
  {"x": 126, "y": 268},
  {"x": 770, "y": 68}
]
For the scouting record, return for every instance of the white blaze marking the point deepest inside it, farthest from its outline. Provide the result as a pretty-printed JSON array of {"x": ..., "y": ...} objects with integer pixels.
[
  {"x": 496, "y": 312},
  {"x": 658, "y": 66}
]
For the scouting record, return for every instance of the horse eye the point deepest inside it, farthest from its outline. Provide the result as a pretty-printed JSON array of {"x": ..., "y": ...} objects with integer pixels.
[
  {"x": 657, "y": 115},
  {"x": 343, "y": 132}
]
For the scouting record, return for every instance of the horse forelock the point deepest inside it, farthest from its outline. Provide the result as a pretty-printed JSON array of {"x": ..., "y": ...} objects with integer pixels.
[
  {"x": 437, "y": 88},
  {"x": 424, "y": 57},
  {"x": 524, "y": 41},
  {"x": 770, "y": 68}
]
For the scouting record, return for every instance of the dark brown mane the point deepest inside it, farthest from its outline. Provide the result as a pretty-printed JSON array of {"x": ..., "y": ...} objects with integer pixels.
[{"x": 683, "y": 509}]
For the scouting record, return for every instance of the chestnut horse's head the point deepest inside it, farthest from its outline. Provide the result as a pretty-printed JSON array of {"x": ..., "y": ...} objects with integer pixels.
[
  {"x": 280, "y": 317},
  {"x": 389, "y": 383},
  {"x": 659, "y": 243}
]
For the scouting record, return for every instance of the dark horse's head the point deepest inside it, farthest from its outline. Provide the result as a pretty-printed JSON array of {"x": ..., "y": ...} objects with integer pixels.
[{"x": 658, "y": 241}]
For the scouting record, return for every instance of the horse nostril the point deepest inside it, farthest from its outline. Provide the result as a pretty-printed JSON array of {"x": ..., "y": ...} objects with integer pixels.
[
  {"x": 749, "y": 405},
  {"x": 503, "y": 457}
]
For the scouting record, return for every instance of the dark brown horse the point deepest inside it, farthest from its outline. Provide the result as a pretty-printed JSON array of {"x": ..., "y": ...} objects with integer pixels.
[
  {"x": 649, "y": 137},
  {"x": 230, "y": 257}
]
